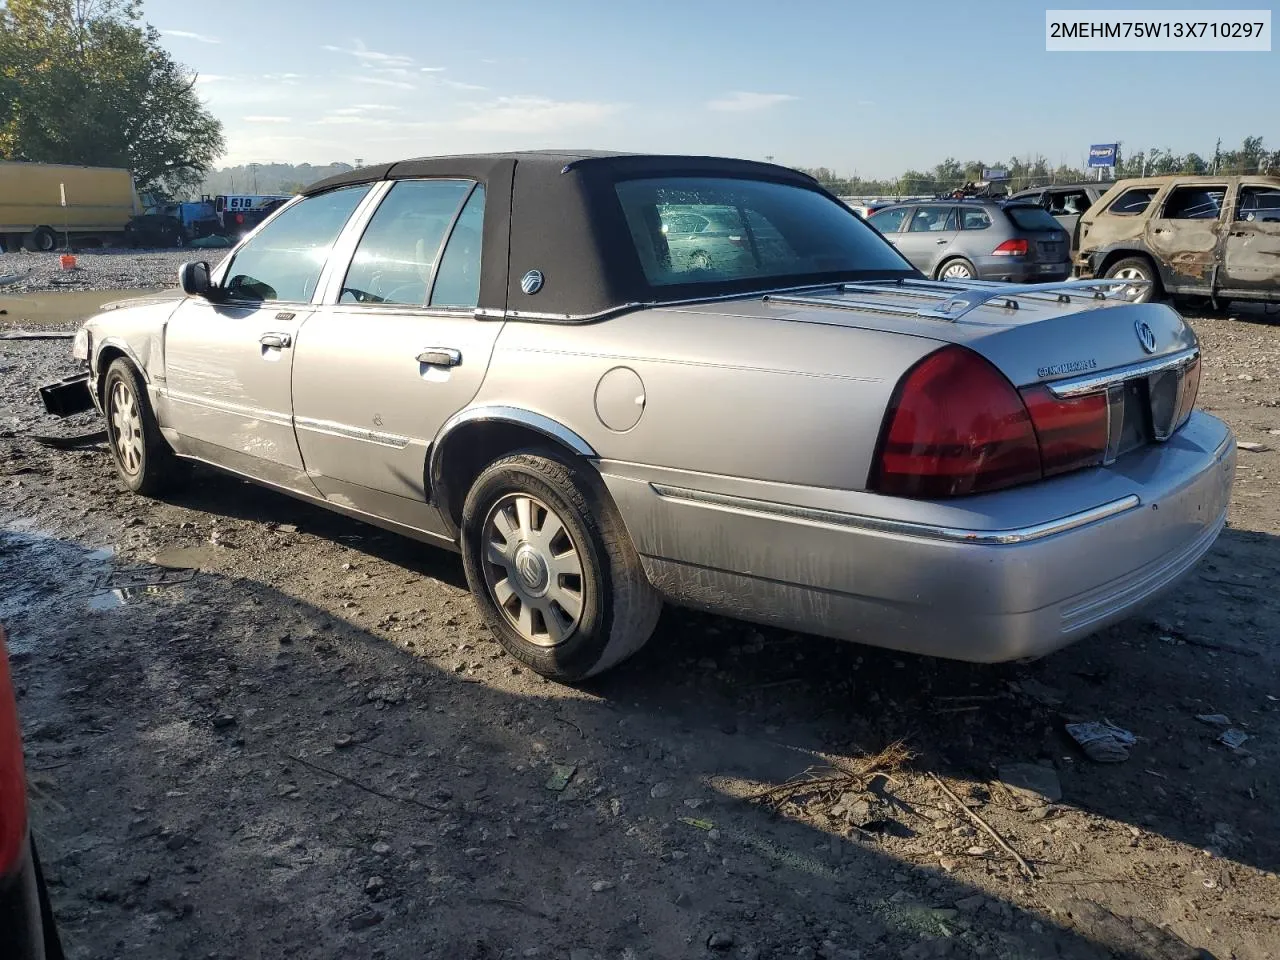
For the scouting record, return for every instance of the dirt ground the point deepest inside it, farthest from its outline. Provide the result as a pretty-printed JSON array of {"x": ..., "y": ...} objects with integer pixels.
[{"x": 305, "y": 744}]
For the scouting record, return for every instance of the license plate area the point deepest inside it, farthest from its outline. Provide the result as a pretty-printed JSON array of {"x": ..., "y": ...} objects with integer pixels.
[{"x": 1142, "y": 411}]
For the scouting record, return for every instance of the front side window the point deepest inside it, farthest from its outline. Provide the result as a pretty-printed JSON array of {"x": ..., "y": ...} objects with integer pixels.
[
  {"x": 755, "y": 230},
  {"x": 1194, "y": 203},
  {"x": 1259, "y": 205},
  {"x": 397, "y": 255},
  {"x": 932, "y": 219},
  {"x": 1133, "y": 202},
  {"x": 283, "y": 261},
  {"x": 890, "y": 219}
]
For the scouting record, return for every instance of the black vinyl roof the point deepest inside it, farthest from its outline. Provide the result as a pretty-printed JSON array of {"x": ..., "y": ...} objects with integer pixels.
[{"x": 557, "y": 212}]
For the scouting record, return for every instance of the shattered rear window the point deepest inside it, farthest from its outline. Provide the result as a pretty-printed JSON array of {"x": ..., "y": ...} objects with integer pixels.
[{"x": 1132, "y": 202}]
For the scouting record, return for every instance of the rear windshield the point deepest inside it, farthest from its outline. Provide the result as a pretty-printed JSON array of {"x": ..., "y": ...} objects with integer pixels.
[
  {"x": 716, "y": 230},
  {"x": 1031, "y": 218}
]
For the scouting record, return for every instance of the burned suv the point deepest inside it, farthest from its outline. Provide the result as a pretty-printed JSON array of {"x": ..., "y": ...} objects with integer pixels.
[{"x": 1212, "y": 237}]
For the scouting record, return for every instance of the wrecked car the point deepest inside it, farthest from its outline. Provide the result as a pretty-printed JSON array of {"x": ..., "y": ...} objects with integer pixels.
[
  {"x": 505, "y": 356},
  {"x": 1216, "y": 238}
]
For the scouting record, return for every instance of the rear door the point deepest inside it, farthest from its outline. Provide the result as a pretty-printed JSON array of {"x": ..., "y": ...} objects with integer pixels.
[
  {"x": 1186, "y": 235},
  {"x": 395, "y": 350},
  {"x": 1252, "y": 260},
  {"x": 927, "y": 234}
]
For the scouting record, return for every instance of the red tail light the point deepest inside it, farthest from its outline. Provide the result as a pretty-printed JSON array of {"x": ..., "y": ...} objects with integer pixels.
[
  {"x": 1011, "y": 248},
  {"x": 1072, "y": 432},
  {"x": 13, "y": 789},
  {"x": 239, "y": 218},
  {"x": 1190, "y": 387},
  {"x": 955, "y": 426}
]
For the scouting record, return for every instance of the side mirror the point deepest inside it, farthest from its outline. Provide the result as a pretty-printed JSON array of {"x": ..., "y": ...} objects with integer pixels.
[{"x": 194, "y": 279}]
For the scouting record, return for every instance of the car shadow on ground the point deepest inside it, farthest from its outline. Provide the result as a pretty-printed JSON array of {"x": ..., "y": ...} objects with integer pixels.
[{"x": 225, "y": 771}]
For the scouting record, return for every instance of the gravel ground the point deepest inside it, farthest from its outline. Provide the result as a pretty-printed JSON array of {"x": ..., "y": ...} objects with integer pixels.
[
  {"x": 105, "y": 269},
  {"x": 311, "y": 747}
]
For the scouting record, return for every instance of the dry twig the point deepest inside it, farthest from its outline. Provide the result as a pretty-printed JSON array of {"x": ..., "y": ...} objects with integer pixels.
[
  {"x": 363, "y": 786},
  {"x": 1026, "y": 867},
  {"x": 831, "y": 781}
]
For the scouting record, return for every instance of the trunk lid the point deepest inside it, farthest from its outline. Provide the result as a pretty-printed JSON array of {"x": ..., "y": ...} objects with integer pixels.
[{"x": 1047, "y": 242}]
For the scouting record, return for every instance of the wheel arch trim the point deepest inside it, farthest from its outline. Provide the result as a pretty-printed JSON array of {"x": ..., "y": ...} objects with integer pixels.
[
  {"x": 495, "y": 413},
  {"x": 115, "y": 343}
]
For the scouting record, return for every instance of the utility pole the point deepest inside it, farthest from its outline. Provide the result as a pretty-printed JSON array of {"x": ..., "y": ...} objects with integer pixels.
[
  {"x": 1217, "y": 154},
  {"x": 254, "y": 168}
]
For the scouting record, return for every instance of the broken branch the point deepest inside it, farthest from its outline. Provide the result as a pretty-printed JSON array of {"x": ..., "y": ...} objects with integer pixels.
[{"x": 1026, "y": 867}]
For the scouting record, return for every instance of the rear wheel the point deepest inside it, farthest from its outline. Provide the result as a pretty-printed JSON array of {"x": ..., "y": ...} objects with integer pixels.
[
  {"x": 144, "y": 460},
  {"x": 552, "y": 567},
  {"x": 40, "y": 240},
  {"x": 1136, "y": 268},
  {"x": 957, "y": 268}
]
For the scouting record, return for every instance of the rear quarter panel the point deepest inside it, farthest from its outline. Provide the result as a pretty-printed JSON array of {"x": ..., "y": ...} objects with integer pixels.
[{"x": 739, "y": 396}]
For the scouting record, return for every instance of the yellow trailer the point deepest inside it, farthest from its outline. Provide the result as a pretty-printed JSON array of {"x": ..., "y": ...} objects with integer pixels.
[{"x": 98, "y": 203}]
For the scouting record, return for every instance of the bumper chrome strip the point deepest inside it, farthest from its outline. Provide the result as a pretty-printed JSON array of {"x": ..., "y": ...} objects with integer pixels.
[{"x": 768, "y": 508}]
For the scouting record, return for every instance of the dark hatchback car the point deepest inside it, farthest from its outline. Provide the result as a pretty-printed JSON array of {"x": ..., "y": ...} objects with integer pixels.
[
  {"x": 978, "y": 239},
  {"x": 27, "y": 929}
]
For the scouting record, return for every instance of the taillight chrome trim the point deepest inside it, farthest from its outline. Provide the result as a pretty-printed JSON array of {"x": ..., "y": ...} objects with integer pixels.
[
  {"x": 1094, "y": 382},
  {"x": 906, "y": 528}
]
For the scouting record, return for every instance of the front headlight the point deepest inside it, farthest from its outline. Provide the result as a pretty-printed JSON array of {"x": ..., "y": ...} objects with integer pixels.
[{"x": 80, "y": 344}]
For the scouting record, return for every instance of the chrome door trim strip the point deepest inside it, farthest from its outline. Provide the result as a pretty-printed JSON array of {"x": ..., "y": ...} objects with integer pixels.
[
  {"x": 223, "y": 406},
  {"x": 1078, "y": 386},
  {"x": 334, "y": 429},
  {"x": 768, "y": 508}
]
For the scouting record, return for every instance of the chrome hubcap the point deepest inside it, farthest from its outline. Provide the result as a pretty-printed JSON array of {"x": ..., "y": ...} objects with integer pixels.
[
  {"x": 126, "y": 423},
  {"x": 1132, "y": 273},
  {"x": 532, "y": 569}
]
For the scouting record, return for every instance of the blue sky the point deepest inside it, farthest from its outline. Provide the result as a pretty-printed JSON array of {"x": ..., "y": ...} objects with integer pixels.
[{"x": 872, "y": 88}]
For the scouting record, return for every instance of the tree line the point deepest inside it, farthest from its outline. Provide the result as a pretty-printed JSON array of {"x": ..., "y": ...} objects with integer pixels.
[
  {"x": 87, "y": 82},
  {"x": 1033, "y": 171}
]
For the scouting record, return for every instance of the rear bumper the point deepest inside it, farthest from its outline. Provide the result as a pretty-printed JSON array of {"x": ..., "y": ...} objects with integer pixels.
[
  {"x": 1016, "y": 270},
  {"x": 1085, "y": 552}
]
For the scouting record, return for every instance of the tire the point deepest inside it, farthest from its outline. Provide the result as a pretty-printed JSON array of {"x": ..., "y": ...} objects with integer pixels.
[
  {"x": 145, "y": 462},
  {"x": 957, "y": 268},
  {"x": 1137, "y": 268},
  {"x": 40, "y": 240},
  {"x": 538, "y": 616}
]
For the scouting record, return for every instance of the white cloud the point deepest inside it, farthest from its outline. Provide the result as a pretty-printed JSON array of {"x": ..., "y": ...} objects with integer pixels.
[
  {"x": 260, "y": 118},
  {"x": 188, "y": 35},
  {"x": 742, "y": 101},
  {"x": 534, "y": 115},
  {"x": 459, "y": 85},
  {"x": 383, "y": 82},
  {"x": 373, "y": 106},
  {"x": 372, "y": 57},
  {"x": 290, "y": 79},
  {"x": 211, "y": 78},
  {"x": 432, "y": 69}
]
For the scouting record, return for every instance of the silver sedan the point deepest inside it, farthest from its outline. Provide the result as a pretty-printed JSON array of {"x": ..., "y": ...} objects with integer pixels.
[{"x": 505, "y": 355}]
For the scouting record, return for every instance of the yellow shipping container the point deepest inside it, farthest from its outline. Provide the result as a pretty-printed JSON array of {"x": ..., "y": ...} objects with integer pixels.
[{"x": 99, "y": 202}]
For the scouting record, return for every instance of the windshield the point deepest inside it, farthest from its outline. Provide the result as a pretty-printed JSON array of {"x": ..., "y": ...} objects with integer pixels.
[{"x": 716, "y": 230}]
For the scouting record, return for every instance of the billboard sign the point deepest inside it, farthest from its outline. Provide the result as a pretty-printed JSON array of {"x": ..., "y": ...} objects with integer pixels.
[
  {"x": 1103, "y": 154},
  {"x": 994, "y": 173}
]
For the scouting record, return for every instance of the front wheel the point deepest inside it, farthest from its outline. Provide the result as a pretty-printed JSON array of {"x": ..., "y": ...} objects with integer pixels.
[
  {"x": 1135, "y": 268},
  {"x": 144, "y": 460},
  {"x": 552, "y": 567}
]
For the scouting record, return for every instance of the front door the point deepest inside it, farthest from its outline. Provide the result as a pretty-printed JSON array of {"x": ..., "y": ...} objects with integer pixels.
[
  {"x": 1186, "y": 235},
  {"x": 930, "y": 231},
  {"x": 1252, "y": 261},
  {"x": 229, "y": 358},
  {"x": 379, "y": 371}
]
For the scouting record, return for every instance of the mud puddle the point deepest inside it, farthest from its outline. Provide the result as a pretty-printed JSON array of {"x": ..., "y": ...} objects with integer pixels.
[{"x": 54, "y": 309}]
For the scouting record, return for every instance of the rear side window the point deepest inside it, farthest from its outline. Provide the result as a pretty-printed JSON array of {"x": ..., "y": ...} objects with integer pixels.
[
  {"x": 1194, "y": 203},
  {"x": 1068, "y": 202},
  {"x": 1259, "y": 205},
  {"x": 756, "y": 230},
  {"x": 458, "y": 278},
  {"x": 283, "y": 261},
  {"x": 974, "y": 220},
  {"x": 1031, "y": 218},
  {"x": 1133, "y": 202},
  {"x": 890, "y": 220},
  {"x": 932, "y": 220}
]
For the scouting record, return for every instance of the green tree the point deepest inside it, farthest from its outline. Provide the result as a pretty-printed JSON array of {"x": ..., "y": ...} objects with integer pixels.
[{"x": 86, "y": 81}]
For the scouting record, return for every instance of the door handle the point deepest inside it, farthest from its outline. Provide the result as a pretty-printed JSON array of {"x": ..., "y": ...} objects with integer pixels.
[
  {"x": 1159, "y": 230},
  {"x": 440, "y": 357},
  {"x": 940, "y": 242},
  {"x": 278, "y": 340}
]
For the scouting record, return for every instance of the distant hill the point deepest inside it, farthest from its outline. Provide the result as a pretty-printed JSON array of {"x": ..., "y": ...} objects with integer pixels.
[{"x": 282, "y": 178}]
